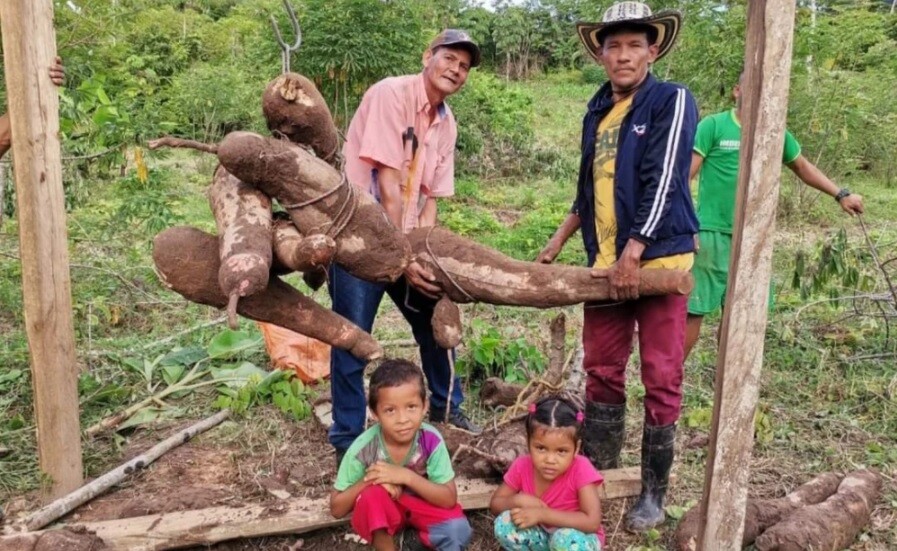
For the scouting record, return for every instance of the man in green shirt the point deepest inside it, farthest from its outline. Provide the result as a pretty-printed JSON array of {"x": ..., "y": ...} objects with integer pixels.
[{"x": 715, "y": 156}]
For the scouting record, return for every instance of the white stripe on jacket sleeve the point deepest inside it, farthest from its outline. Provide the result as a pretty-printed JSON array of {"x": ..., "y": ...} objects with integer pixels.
[{"x": 669, "y": 163}]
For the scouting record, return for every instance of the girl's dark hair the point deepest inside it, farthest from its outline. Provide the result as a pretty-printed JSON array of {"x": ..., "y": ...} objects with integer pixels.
[
  {"x": 555, "y": 413},
  {"x": 392, "y": 373}
]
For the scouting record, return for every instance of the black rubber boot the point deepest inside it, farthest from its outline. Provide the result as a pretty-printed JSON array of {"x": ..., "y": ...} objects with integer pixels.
[
  {"x": 603, "y": 434},
  {"x": 657, "y": 459}
]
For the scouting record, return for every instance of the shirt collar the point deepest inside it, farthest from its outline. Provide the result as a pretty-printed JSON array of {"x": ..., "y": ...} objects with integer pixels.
[{"x": 423, "y": 102}]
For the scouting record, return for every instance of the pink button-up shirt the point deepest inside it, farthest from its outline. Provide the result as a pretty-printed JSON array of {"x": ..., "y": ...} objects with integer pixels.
[{"x": 392, "y": 128}]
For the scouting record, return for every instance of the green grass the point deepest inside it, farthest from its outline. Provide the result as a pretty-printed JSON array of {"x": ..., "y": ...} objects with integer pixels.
[{"x": 829, "y": 393}]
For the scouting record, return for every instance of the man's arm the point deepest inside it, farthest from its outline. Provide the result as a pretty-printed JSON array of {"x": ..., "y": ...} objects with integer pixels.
[
  {"x": 623, "y": 276},
  {"x": 57, "y": 75},
  {"x": 696, "y": 161},
  {"x": 554, "y": 246},
  {"x": 666, "y": 167},
  {"x": 389, "y": 181},
  {"x": 427, "y": 216},
  {"x": 666, "y": 162},
  {"x": 816, "y": 179}
]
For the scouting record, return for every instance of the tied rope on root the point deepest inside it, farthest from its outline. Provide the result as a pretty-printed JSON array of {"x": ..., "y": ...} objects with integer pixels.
[
  {"x": 346, "y": 211},
  {"x": 449, "y": 275},
  {"x": 451, "y": 359},
  {"x": 537, "y": 388},
  {"x": 442, "y": 269}
]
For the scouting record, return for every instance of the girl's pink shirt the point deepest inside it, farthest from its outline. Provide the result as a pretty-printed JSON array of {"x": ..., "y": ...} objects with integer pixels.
[{"x": 563, "y": 492}]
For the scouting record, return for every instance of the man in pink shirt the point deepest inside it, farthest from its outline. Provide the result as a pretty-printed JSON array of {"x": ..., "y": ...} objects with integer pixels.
[{"x": 400, "y": 148}]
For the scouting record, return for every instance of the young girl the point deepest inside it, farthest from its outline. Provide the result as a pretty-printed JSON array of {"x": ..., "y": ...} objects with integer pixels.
[{"x": 549, "y": 498}]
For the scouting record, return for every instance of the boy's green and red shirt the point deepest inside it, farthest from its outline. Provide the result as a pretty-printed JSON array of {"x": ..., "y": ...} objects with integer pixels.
[{"x": 427, "y": 457}]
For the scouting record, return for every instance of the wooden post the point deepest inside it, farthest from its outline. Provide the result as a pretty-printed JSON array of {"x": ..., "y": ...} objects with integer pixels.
[
  {"x": 29, "y": 49},
  {"x": 764, "y": 105}
]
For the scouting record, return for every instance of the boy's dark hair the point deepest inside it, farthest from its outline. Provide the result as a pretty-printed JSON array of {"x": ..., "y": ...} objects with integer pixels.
[
  {"x": 649, "y": 30},
  {"x": 556, "y": 413},
  {"x": 392, "y": 373}
]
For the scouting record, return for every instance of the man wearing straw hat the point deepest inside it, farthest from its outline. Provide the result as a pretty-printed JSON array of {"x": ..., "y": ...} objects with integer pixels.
[{"x": 635, "y": 212}]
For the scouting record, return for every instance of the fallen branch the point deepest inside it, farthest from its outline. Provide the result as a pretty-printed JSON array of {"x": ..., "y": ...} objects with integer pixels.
[
  {"x": 878, "y": 262},
  {"x": 174, "y": 337},
  {"x": 82, "y": 495},
  {"x": 203, "y": 527},
  {"x": 558, "y": 333},
  {"x": 186, "y": 383},
  {"x": 464, "y": 448},
  {"x": 170, "y": 141}
]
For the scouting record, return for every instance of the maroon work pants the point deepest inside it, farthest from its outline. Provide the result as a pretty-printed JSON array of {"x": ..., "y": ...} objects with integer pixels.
[{"x": 607, "y": 343}]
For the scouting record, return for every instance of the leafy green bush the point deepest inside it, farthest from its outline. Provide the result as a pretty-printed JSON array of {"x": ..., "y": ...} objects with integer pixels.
[
  {"x": 836, "y": 267},
  {"x": 846, "y": 133},
  {"x": 495, "y": 125},
  {"x": 593, "y": 73},
  {"x": 148, "y": 203},
  {"x": 348, "y": 45},
  {"x": 208, "y": 101},
  {"x": 491, "y": 354}
]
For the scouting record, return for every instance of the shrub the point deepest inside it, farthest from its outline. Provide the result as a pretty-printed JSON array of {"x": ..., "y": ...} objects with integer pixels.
[
  {"x": 208, "y": 101},
  {"x": 593, "y": 74},
  {"x": 495, "y": 125}
]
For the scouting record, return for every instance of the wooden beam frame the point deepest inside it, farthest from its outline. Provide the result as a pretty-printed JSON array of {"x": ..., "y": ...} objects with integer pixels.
[
  {"x": 764, "y": 106},
  {"x": 291, "y": 516},
  {"x": 29, "y": 49}
]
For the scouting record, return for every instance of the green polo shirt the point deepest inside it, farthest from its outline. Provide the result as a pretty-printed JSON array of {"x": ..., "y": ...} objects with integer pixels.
[{"x": 718, "y": 140}]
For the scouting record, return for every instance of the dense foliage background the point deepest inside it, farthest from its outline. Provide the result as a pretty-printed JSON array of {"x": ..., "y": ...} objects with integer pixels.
[{"x": 195, "y": 68}]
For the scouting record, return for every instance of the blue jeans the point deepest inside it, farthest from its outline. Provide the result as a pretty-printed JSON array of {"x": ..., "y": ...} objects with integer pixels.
[{"x": 358, "y": 301}]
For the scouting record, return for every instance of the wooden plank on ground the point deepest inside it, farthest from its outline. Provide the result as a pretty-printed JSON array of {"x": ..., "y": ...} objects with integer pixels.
[
  {"x": 292, "y": 516},
  {"x": 764, "y": 105},
  {"x": 29, "y": 49}
]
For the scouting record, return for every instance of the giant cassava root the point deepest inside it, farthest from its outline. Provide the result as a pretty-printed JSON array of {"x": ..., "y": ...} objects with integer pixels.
[
  {"x": 187, "y": 261},
  {"x": 243, "y": 217},
  {"x": 446, "y": 323},
  {"x": 294, "y": 252},
  {"x": 295, "y": 109},
  {"x": 760, "y": 514},
  {"x": 470, "y": 272},
  {"x": 831, "y": 525},
  {"x": 320, "y": 201}
]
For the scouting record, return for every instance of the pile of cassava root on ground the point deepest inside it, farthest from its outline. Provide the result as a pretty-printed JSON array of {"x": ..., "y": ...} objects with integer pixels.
[
  {"x": 326, "y": 220},
  {"x": 826, "y": 513}
]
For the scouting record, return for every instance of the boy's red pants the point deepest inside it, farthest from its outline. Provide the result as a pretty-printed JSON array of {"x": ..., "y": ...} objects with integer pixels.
[{"x": 439, "y": 528}]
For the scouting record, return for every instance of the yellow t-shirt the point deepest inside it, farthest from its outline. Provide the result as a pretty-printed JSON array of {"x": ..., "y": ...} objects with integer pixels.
[{"x": 606, "y": 139}]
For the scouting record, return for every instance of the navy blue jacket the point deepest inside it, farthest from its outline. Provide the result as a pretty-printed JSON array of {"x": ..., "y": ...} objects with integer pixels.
[{"x": 651, "y": 194}]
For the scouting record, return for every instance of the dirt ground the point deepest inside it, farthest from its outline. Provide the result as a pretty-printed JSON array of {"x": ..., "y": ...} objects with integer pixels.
[{"x": 266, "y": 458}]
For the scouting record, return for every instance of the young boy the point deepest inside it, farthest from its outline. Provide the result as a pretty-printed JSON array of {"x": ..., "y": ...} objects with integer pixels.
[{"x": 398, "y": 472}]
